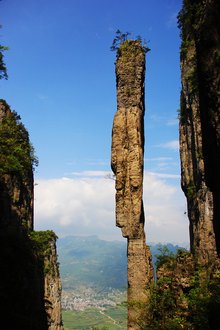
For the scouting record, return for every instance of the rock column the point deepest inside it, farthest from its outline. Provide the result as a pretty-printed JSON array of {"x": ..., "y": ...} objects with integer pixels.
[{"x": 127, "y": 165}]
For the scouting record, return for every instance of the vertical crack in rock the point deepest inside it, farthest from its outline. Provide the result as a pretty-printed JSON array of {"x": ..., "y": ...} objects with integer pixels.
[{"x": 127, "y": 165}]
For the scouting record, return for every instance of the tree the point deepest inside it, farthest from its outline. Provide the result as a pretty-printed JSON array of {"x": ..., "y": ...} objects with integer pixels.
[
  {"x": 16, "y": 151},
  {"x": 121, "y": 38},
  {"x": 3, "y": 69}
]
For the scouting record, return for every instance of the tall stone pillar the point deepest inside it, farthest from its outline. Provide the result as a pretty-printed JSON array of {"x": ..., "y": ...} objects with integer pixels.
[{"x": 127, "y": 165}]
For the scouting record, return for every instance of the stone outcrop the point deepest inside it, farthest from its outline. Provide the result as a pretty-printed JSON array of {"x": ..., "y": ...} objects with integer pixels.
[
  {"x": 44, "y": 243},
  {"x": 52, "y": 286},
  {"x": 127, "y": 165},
  {"x": 200, "y": 124},
  {"x": 26, "y": 285}
]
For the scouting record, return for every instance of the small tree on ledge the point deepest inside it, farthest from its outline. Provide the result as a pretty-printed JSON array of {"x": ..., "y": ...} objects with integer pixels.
[{"x": 121, "y": 37}]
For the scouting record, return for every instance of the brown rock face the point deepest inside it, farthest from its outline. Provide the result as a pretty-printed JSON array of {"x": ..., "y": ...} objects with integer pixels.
[
  {"x": 127, "y": 165},
  {"x": 200, "y": 124},
  {"x": 52, "y": 288},
  {"x": 128, "y": 140}
]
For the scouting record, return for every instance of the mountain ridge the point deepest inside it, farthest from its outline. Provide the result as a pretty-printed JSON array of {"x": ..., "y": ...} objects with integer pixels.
[{"x": 93, "y": 262}]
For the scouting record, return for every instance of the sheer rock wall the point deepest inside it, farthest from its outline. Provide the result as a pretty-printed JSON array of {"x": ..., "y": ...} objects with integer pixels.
[
  {"x": 127, "y": 165},
  {"x": 52, "y": 287},
  {"x": 200, "y": 124}
]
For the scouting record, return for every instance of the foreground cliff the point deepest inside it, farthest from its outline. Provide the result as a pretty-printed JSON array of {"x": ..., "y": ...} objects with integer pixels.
[
  {"x": 44, "y": 244},
  {"x": 200, "y": 124},
  {"x": 187, "y": 292},
  {"x": 127, "y": 165},
  {"x": 30, "y": 294}
]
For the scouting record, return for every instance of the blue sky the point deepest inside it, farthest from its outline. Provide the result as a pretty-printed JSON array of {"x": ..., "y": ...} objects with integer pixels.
[{"x": 62, "y": 83}]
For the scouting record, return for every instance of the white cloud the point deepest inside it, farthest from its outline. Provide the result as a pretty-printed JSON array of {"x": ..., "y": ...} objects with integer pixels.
[
  {"x": 164, "y": 210},
  {"x": 164, "y": 175},
  {"x": 85, "y": 206},
  {"x": 161, "y": 164},
  {"x": 87, "y": 174},
  {"x": 172, "y": 122},
  {"x": 76, "y": 206},
  {"x": 173, "y": 145},
  {"x": 156, "y": 159}
]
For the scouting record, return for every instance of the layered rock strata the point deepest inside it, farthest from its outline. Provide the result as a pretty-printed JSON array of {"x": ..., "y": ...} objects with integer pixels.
[
  {"x": 200, "y": 124},
  {"x": 26, "y": 285},
  {"x": 127, "y": 165}
]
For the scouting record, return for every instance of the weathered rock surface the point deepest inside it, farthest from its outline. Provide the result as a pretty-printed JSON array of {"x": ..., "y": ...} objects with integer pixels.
[
  {"x": 127, "y": 165},
  {"x": 128, "y": 140},
  {"x": 24, "y": 283},
  {"x": 52, "y": 287},
  {"x": 200, "y": 124}
]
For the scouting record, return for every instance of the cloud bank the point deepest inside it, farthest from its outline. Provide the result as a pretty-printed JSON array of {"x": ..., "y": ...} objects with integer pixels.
[{"x": 85, "y": 205}]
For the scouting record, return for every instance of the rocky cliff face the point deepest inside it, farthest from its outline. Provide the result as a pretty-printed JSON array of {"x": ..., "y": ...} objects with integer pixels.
[
  {"x": 200, "y": 124},
  {"x": 25, "y": 286},
  {"x": 127, "y": 165},
  {"x": 45, "y": 246},
  {"x": 52, "y": 289},
  {"x": 16, "y": 199}
]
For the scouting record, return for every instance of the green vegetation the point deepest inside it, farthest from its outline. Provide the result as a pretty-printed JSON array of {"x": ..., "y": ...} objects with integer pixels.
[
  {"x": 164, "y": 256},
  {"x": 121, "y": 43},
  {"x": 191, "y": 190},
  {"x": 190, "y": 17},
  {"x": 41, "y": 241},
  {"x": 130, "y": 49},
  {"x": 119, "y": 39},
  {"x": 88, "y": 262},
  {"x": 217, "y": 56},
  {"x": 204, "y": 297},
  {"x": 92, "y": 262},
  {"x": 111, "y": 318},
  {"x": 183, "y": 301},
  {"x": 3, "y": 69},
  {"x": 16, "y": 152}
]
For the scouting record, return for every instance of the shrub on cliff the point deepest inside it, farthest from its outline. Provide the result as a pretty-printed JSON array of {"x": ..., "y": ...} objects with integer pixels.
[
  {"x": 16, "y": 152},
  {"x": 3, "y": 69},
  {"x": 121, "y": 40},
  {"x": 187, "y": 300}
]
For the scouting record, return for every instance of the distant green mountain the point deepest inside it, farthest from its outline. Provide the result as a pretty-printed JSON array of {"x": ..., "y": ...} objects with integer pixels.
[{"x": 92, "y": 262}]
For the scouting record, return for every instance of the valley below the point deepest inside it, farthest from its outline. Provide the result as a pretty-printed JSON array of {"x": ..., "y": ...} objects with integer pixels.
[
  {"x": 94, "y": 282},
  {"x": 88, "y": 308}
]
